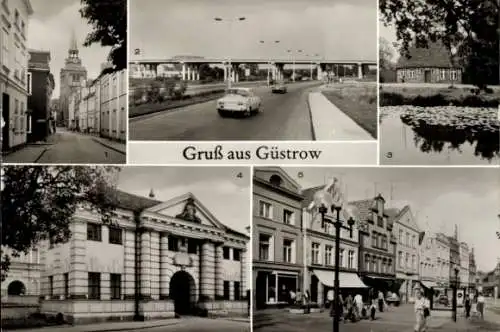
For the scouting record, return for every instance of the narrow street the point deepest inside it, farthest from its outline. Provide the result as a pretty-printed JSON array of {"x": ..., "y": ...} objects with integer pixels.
[{"x": 66, "y": 147}]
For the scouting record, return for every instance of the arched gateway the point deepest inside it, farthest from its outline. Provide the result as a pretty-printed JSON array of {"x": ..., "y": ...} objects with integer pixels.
[{"x": 182, "y": 292}]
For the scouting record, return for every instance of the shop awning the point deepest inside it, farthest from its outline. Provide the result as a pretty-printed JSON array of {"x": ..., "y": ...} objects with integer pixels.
[
  {"x": 428, "y": 284},
  {"x": 346, "y": 279}
]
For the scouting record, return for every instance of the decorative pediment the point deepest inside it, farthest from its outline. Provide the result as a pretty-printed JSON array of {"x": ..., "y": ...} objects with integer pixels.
[
  {"x": 277, "y": 177},
  {"x": 187, "y": 208}
]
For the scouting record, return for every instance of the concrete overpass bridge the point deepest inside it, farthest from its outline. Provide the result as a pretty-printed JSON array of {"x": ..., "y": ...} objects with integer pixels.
[{"x": 190, "y": 66}]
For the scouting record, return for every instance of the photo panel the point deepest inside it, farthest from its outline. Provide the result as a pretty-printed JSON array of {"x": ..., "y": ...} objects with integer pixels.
[
  {"x": 133, "y": 243},
  {"x": 63, "y": 87},
  {"x": 253, "y": 71},
  {"x": 375, "y": 247},
  {"x": 440, "y": 86}
]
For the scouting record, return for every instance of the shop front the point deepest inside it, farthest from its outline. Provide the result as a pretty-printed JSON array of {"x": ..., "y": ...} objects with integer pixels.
[
  {"x": 322, "y": 285},
  {"x": 274, "y": 288}
]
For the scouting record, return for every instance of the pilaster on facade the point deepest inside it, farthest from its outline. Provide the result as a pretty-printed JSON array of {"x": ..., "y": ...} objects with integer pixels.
[
  {"x": 244, "y": 269},
  {"x": 129, "y": 265},
  {"x": 219, "y": 281},
  {"x": 78, "y": 274},
  {"x": 207, "y": 272},
  {"x": 145, "y": 265},
  {"x": 165, "y": 267}
]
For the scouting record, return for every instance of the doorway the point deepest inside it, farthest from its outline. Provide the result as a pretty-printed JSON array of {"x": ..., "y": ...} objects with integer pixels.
[
  {"x": 182, "y": 292},
  {"x": 427, "y": 76},
  {"x": 6, "y": 119}
]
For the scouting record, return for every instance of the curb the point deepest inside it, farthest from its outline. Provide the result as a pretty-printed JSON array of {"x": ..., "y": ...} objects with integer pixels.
[
  {"x": 313, "y": 133},
  {"x": 134, "y": 328},
  {"x": 108, "y": 146}
]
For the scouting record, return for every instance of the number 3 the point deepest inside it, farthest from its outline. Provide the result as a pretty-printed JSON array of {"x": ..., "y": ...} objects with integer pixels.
[{"x": 388, "y": 154}]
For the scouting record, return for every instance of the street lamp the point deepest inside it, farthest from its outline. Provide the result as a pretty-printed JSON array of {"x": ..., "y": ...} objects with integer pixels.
[
  {"x": 338, "y": 224},
  {"x": 293, "y": 62},
  {"x": 269, "y": 63},
  {"x": 454, "y": 303},
  {"x": 238, "y": 19}
]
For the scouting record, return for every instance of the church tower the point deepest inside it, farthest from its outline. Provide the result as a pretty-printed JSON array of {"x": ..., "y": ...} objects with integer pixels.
[{"x": 71, "y": 77}]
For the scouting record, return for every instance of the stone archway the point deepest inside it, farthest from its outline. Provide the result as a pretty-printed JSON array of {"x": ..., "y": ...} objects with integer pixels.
[
  {"x": 182, "y": 292},
  {"x": 16, "y": 288}
]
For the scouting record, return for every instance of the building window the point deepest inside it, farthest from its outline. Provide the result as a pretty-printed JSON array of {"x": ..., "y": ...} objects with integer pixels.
[
  {"x": 384, "y": 241},
  {"x": 367, "y": 262},
  {"x": 407, "y": 260},
  {"x": 94, "y": 232},
  {"x": 383, "y": 270},
  {"x": 374, "y": 239},
  {"x": 275, "y": 180},
  {"x": 443, "y": 74},
  {"x": 236, "y": 254},
  {"x": 237, "y": 291},
  {"x": 28, "y": 83},
  {"x": 341, "y": 258},
  {"x": 389, "y": 266},
  {"x": 328, "y": 255},
  {"x": 375, "y": 264},
  {"x": 5, "y": 48},
  {"x": 115, "y": 235},
  {"x": 400, "y": 259},
  {"x": 288, "y": 217},
  {"x": 192, "y": 246},
  {"x": 173, "y": 243},
  {"x": 350, "y": 259},
  {"x": 413, "y": 241},
  {"x": 407, "y": 243},
  {"x": 454, "y": 75},
  {"x": 413, "y": 262},
  {"x": 400, "y": 236},
  {"x": 264, "y": 246},
  {"x": 266, "y": 210},
  {"x": 287, "y": 250},
  {"x": 51, "y": 286},
  {"x": 380, "y": 221},
  {"x": 66, "y": 285},
  {"x": 116, "y": 286},
  {"x": 94, "y": 291},
  {"x": 226, "y": 290},
  {"x": 226, "y": 252},
  {"x": 315, "y": 253}
]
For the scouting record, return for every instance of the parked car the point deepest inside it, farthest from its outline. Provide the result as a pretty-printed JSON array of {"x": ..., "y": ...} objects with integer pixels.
[
  {"x": 239, "y": 101},
  {"x": 279, "y": 88},
  {"x": 393, "y": 299},
  {"x": 443, "y": 299}
]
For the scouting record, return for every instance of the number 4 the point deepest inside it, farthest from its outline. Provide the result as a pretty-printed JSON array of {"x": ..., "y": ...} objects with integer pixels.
[{"x": 239, "y": 175}]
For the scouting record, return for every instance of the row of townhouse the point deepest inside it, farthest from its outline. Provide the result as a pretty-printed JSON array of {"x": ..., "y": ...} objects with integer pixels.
[
  {"x": 99, "y": 106},
  {"x": 387, "y": 251}
]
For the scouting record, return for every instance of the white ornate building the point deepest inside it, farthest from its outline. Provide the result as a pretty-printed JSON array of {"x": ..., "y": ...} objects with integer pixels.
[{"x": 155, "y": 260}]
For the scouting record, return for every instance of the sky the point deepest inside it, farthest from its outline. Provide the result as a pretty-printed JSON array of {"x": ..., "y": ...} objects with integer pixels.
[
  {"x": 389, "y": 34},
  {"x": 50, "y": 28},
  {"x": 335, "y": 29},
  {"x": 219, "y": 189},
  {"x": 438, "y": 197}
]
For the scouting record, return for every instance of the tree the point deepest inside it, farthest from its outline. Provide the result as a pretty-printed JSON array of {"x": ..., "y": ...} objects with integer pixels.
[
  {"x": 386, "y": 54},
  {"x": 39, "y": 202},
  {"x": 109, "y": 20},
  {"x": 469, "y": 27}
]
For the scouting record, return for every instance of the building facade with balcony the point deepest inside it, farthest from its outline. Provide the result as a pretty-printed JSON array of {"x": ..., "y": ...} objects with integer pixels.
[
  {"x": 42, "y": 86},
  {"x": 277, "y": 237},
  {"x": 155, "y": 259},
  {"x": 377, "y": 245},
  {"x": 407, "y": 251},
  {"x": 319, "y": 254},
  {"x": 14, "y": 78}
]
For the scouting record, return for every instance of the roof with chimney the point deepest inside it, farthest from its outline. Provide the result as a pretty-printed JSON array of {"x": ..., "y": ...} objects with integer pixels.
[{"x": 436, "y": 55}]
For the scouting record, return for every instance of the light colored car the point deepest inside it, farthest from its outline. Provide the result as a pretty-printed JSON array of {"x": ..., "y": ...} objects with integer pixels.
[
  {"x": 239, "y": 101},
  {"x": 393, "y": 299},
  {"x": 279, "y": 88}
]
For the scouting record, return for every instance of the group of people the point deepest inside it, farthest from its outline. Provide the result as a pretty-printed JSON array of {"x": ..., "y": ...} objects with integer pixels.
[
  {"x": 478, "y": 301},
  {"x": 354, "y": 308}
]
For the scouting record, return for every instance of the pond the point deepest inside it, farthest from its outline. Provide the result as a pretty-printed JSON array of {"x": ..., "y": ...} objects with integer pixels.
[{"x": 449, "y": 135}]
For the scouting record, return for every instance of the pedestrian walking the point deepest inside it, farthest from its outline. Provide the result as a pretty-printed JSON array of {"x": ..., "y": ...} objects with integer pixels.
[
  {"x": 422, "y": 311},
  {"x": 467, "y": 305},
  {"x": 358, "y": 300},
  {"x": 380, "y": 301},
  {"x": 350, "y": 308},
  {"x": 373, "y": 309},
  {"x": 480, "y": 305}
]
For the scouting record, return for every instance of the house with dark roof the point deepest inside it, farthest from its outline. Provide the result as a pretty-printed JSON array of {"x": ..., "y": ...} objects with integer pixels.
[
  {"x": 377, "y": 245},
  {"x": 155, "y": 259},
  {"x": 277, "y": 237},
  {"x": 319, "y": 247},
  {"x": 428, "y": 65}
]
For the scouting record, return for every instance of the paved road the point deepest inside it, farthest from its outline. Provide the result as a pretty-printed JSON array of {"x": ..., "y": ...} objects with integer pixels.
[
  {"x": 68, "y": 147},
  {"x": 399, "y": 319},
  {"x": 201, "y": 325},
  {"x": 284, "y": 117}
]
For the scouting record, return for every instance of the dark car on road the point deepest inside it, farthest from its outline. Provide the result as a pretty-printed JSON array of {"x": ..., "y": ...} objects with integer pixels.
[{"x": 279, "y": 88}]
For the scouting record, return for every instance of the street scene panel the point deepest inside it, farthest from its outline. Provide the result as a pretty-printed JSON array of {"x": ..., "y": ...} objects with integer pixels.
[
  {"x": 126, "y": 248},
  {"x": 368, "y": 249},
  {"x": 63, "y": 82},
  {"x": 439, "y": 75},
  {"x": 259, "y": 70}
]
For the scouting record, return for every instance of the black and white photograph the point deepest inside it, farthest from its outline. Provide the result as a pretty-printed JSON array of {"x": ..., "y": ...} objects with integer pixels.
[
  {"x": 63, "y": 81},
  {"x": 284, "y": 70},
  {"x": 439, "y": 82},
  {"x": 376, "y": 249},
  {"x": 101, "y": 248}
]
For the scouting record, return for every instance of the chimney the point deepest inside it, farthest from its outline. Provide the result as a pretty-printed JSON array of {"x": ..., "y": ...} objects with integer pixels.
[
  {"x": 151, "y": 193},
  {"x": 456, "y": 232}
]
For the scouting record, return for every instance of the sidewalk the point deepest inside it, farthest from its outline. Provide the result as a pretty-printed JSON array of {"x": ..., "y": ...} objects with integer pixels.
[
  {"x": 331, "y": 124},
  {"x": 113, "y": 145}
]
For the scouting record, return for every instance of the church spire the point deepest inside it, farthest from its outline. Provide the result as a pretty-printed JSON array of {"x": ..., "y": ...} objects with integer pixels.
[{"x": 73, "y": 45}]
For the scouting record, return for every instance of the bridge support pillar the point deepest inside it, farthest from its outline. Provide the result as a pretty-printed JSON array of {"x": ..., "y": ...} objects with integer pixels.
[
  {"x": 183, "y": 73},
  {"x": 320, "y": 72},
  {"x": 189, "y": 73},
  {"x": 225, "y": 73},
  {"x": 360, "y": 70}
]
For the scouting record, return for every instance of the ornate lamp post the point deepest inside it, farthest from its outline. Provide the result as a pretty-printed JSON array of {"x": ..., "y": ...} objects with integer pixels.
[
  {"x": 454, "y": 303},
  {"x": 338, "y": 224}
]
